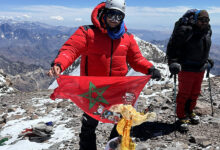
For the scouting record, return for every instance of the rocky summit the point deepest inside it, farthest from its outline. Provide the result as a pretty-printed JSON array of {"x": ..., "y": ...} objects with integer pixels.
[{"x": 20, "y": 111}]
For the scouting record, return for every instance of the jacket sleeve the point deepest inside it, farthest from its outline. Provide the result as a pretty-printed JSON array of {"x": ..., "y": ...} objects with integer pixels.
[
  {"x": 72, "y": 49},
  {"x": 136, "y": 59}
]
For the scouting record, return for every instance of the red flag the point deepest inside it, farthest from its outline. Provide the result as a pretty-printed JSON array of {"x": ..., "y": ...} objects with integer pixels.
[{"x": 95, "y": 95}]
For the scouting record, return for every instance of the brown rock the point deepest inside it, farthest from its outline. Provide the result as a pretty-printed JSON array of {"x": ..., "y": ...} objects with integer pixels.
[
  {"x": 2, "y": 125},
  {"x": 11, "y": 110},
  {"x": 202, "y": 108},
  {"x": 205, "y": 144},
  {"x": 62, "y": 104},
  {"x": 147, "y": 91},
  {"x": 156, "y": 87},
  {"x": 33, "y": 117},
  {"x": 2, "y": 120},
  {"x": 18, "y": 116}
]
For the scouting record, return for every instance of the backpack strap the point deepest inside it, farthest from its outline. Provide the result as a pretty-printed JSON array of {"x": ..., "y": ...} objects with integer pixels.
[{"x": 87, "y": 27}]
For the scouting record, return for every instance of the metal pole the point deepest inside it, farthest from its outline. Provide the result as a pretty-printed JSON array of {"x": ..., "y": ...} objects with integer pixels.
[
  {"x": 174, "y": 97},
  {"x": 210, "y": 89}
]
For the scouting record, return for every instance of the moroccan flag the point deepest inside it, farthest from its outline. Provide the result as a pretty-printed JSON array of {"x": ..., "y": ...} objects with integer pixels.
[{"x": 95, "y": 95}]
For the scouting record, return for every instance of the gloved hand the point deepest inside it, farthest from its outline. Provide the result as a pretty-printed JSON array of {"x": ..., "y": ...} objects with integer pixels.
[
  {"x": 155, "y": 73},
  {"x": 55, "y": 70},
  {"x": 175, "y": 68},
  {"x": 211, "y": 62}
]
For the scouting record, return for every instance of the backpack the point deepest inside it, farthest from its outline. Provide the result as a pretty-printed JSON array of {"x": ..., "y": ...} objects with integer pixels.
[{"x": 188, "y": 19}]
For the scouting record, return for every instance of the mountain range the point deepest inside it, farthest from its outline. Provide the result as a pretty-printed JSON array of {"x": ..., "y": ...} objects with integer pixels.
[{"x": 31, "y": 43}]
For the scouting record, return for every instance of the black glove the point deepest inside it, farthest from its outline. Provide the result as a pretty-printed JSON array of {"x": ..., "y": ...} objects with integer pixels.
[
  {"x": 155, "y": 73},
  {"x": 175, "y": 68},
  {"x": 59, "y": 65},
  {"x": 211, "y": 62}
]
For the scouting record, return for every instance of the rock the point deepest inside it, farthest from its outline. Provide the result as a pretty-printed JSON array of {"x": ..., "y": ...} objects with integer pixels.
[
  {"x": 167, "y": 99},
  {"x": 1, "y": 112},
  {"x": 192, "y": 139},
  {"x": 14, "y": 117},
  {"x": 185, "y": 146},
  {"x": 2, "y": 125},
  {"x": 169, "y": 139},
  {"x": 54, "y": 105},
  {"x": 156, "y": 87},
  {"x": 214, "y": 104},
  {"x": 33, "y": 117},
  {"x": 62, "y": 104},
  {"x": 18, "y": 116},
  {"x": 168, "y": 86},
  {"x": 165, "y": 107},
  {"x": 200, "y": 140},
  {"x": 147, "y": 91},
  {"x": 142, "y": 146},
  {"x": 4, "y": 105},
  {"x": 158, "y": 99},
  {"x": 49, "y": 109},
  {"x": 205, "y": 144},
  {"x": 11, "y": 110},
  {"x": 2, "y": 120},
  {"x": 169, "y": 94},
  {"x": 5, "y": 116},
  {"x": 30, "y": 110},
  {"x": 202, "y": 108},
  {"x": 100, "y": 138}
]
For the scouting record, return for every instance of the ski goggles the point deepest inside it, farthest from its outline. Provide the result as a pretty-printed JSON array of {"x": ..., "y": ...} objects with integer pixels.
[
  {"x": 204, "y": 19},
  {"x": 115, "y": 15}
]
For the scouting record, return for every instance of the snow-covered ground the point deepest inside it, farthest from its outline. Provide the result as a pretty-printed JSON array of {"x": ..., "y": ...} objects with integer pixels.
[
  {"x": 4, "y": 89},
  {"x": 14, "y": 127}
]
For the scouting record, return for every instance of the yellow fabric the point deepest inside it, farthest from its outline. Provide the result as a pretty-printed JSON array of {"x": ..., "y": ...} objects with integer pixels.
[
  {"x": 128, "y": 112},
  {"x": 130, "y": 118},
  {"x": 123, "y": 128}
]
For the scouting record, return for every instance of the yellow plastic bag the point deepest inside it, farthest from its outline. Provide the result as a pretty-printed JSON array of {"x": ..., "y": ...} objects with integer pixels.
[
  {"x": 128, "y": 112},
  {"x": 123, "y": 128},
  {"x": 130, "y": 118}
]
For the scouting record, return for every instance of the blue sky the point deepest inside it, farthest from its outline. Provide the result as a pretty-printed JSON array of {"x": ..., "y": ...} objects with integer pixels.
[{"x": 140, "y": 14}]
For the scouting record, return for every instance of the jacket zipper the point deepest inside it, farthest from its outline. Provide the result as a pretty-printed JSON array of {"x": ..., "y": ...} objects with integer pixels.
[{"x": 110, "y": 74}]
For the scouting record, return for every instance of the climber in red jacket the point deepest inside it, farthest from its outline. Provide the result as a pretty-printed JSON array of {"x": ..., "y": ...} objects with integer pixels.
[{"x": 105, "y": 49}]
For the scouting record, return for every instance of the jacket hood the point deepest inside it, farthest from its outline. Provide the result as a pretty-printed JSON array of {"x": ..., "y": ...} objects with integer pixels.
[{"x": 97, "y": 16}]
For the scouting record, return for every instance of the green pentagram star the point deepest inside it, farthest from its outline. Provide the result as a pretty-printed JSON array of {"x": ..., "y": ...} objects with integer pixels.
[{"x": 98, "y": 98}]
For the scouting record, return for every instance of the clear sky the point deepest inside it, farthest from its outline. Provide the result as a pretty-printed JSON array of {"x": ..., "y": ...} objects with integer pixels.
[{"x": 140, "y": 14}]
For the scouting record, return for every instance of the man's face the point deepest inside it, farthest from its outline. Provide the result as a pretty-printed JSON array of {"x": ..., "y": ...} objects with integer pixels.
[
  {"x": 112, "y": 24},
  {"x": 203, "y": 22},
  {"x": 114, "y": 18}
]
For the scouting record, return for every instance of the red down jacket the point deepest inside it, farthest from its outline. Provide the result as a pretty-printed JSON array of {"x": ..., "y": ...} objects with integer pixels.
[{"x": 100, "y": 55}]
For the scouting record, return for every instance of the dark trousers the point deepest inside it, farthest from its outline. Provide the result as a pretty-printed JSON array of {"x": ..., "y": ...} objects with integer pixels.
[{"x": 88, "y": 136}]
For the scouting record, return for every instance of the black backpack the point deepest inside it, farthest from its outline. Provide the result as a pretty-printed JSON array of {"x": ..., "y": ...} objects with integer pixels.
[{"x": 188, "y": 19}]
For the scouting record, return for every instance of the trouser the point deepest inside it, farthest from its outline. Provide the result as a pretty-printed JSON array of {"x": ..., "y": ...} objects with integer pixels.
[
  {"x": 88, "y": 136},
  {"x": 189, "y": 90}
]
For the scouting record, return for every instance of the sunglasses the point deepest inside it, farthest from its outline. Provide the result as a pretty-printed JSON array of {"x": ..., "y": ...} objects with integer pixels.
[
  {"x": 115, "y": 15},
  {"x": 204, "y": 19}
]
